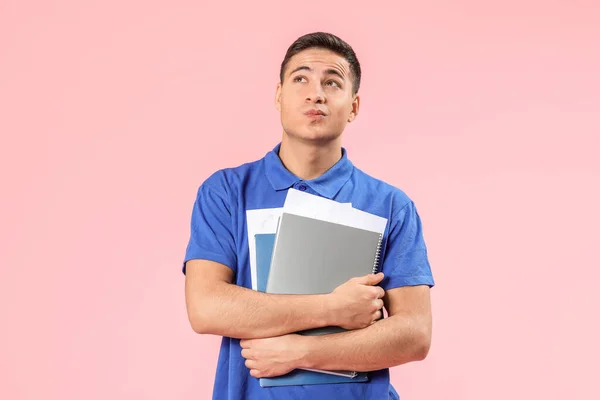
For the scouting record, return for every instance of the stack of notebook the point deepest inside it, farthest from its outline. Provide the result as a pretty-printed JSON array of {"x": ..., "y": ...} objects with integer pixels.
[{"x": 311, "y": 246}]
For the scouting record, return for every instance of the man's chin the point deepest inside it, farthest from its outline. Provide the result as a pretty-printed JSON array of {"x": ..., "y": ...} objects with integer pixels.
[{"x": 314, "y": 136}]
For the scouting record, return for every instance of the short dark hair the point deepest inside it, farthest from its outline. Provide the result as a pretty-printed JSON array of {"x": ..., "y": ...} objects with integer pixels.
[{"x": 327, "y": 41}]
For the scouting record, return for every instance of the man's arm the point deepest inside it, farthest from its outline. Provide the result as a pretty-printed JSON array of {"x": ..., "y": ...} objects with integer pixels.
[
  {"x": 403, "y": 337},
  {"x": 217, "y": 306}
]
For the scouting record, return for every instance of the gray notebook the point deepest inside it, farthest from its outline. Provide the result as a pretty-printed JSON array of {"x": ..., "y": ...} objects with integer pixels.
[{"x": 311, "y": 256}]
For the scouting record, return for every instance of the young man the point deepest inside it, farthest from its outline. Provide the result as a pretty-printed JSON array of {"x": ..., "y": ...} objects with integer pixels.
[{"x": 316, "y": 97}]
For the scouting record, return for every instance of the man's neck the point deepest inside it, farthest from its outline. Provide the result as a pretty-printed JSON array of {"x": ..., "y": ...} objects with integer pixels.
[{"x": 309, "y": 160}]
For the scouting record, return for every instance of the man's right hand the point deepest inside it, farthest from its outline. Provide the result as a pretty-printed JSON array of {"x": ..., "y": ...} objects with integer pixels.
[{"x": 357, "y": 303}]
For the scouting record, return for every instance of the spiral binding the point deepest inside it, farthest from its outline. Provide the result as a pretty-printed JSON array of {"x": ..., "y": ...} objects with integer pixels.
[{"x": 377, "y": 254}]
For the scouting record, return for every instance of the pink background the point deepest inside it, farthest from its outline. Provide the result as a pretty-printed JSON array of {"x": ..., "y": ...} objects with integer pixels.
[{"x": 113, "y": 112}]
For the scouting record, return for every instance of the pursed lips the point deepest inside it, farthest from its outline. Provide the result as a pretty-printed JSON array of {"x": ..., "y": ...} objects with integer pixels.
[{"x": 314, "y": 112}]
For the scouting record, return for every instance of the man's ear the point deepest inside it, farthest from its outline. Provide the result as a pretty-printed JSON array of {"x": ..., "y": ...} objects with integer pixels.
[
  {"x": 354, "y": 110},
  {"x": 278, "y": 97}
]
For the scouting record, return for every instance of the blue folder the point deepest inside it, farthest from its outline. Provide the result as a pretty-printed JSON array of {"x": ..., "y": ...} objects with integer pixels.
[
  {"x": 302, "y": 377},
  {"x": 264, "y": 249}
]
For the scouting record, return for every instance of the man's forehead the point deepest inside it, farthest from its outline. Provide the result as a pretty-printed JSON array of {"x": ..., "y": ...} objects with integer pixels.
[{"x": 319, "y": 59}]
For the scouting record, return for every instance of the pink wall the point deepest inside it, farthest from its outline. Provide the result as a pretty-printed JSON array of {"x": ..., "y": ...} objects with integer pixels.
[{"x": 112, "y": 113}]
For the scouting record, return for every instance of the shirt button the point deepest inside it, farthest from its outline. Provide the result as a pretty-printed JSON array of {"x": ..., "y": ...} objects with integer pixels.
[{"x": 302, "y": 187}]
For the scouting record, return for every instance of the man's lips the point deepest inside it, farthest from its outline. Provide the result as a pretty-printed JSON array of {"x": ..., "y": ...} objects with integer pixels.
[{"x": 314, "y": 113}]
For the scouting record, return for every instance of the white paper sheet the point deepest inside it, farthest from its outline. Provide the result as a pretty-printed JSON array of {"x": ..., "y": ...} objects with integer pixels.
[
  {"x": 259, "y": 221},
  {"x": 311, "y": 206}
]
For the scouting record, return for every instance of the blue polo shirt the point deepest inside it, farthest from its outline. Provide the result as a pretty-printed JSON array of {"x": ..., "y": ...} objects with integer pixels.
[{"x": 219, "y": 233}]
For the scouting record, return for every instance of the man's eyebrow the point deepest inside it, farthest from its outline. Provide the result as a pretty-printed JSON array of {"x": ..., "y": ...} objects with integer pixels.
[
  {"x": 300, "y": 68},
  {"x": 330, "y": 71}
]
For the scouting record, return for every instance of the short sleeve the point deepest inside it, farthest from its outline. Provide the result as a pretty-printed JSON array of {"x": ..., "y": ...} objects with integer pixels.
[
  {"x": 405, "y": 262},
  {"x": 211, "y": 230}
]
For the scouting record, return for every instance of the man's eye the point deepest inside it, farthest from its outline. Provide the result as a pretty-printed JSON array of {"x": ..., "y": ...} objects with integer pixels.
[
  {"x": 333, "y": 82},
  {"x": 296, "y": 79}
]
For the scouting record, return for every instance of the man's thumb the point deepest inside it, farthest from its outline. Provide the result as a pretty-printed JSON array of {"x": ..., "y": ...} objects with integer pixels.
[{"x": 372, "y": 279}]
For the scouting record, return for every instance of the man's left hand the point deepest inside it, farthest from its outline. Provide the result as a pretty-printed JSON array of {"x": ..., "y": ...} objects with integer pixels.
[{"x": 274, "y": 356}]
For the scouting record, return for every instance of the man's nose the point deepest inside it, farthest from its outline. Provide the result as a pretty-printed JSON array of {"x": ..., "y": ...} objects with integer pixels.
[{"x": 316, "y": 94}]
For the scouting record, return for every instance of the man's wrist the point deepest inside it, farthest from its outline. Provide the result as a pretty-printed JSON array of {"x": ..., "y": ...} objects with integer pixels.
[
  {"x": 308, "y": 346},
  {"x": 327, "y": 315}
]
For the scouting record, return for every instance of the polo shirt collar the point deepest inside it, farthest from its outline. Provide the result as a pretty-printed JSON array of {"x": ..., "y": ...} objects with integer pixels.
[{"x": 327, "y": 185}]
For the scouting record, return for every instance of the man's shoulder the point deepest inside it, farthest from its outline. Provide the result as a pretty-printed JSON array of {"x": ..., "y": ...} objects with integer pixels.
[
  {"x": 229, "y": 179},
  {"x": 397, "y": 196}
]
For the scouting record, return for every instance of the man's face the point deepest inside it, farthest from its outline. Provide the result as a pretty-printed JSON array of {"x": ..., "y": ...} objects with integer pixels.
[{"x": 315, "y": 99}]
